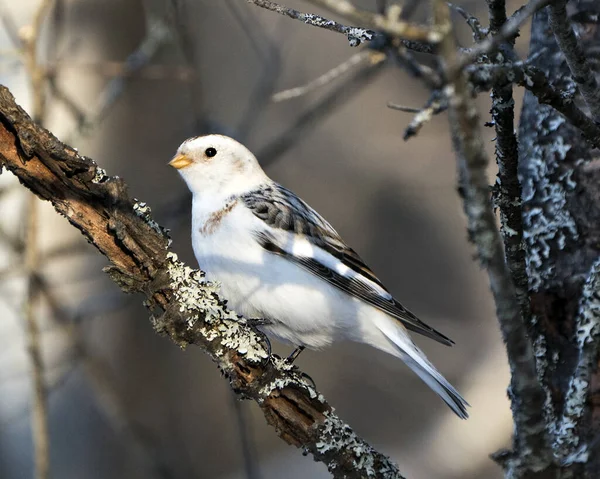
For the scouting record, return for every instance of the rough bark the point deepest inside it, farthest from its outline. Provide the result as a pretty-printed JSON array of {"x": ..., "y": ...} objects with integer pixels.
[
  {"x": 184, "y": 306},
  {"x": 561, "y": 209}
]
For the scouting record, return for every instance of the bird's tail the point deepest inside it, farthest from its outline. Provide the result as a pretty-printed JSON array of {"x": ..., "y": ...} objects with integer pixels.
[{"x": 402, "y": 347}]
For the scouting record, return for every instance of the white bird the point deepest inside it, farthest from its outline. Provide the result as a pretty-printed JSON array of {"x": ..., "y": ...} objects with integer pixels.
[{"x": 278, "y": 259}]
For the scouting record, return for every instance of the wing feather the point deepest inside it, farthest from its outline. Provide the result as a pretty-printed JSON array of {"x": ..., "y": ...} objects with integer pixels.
[{"x": 280, "y": 209}]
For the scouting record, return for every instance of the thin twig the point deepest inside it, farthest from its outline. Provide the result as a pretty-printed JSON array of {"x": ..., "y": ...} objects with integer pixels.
[
  {"x": 433, "y": 106},
  {"x": 407, "y": 60},
  {"x": 390, "y": 24},
  {"x": 509, "y": 29},
  {"x": 355, "y": 35},
  {"x": 324, "y": 79},
  {"x": 479, "y": 33},
  {"x": 575, "y": 56},
  {"x": 309, "y": 119},
  {"x": 527, "y": 395}
]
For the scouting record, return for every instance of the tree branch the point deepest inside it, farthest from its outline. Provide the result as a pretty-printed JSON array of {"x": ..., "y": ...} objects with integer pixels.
[
  {"x": 559, "y": 177},
  {"x": 509, "y": 29},
  {"x": 390, "y": 24},
  {"x": 413, "y": 37},
  {"x": 507, "y": 187},
  {"x": 527, "y": 396},
  {"x": 185, "y": 306},
  {"x": 355, "y": 35},
  {"x": 575, "y": 56},
  {"x": 486, "y": 76}
]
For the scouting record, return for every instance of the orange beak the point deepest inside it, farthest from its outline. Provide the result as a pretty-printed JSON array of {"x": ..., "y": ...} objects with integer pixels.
[{"x": 180, "y": 161}]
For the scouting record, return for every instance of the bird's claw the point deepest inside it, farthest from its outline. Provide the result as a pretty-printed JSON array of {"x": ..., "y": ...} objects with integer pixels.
[
  {"x": 294, "y": 355},
  {"x": 258, "y": 322}
]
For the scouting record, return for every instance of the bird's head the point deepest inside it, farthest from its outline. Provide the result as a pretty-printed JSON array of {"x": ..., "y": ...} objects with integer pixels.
[{"x": 217, "y": 165}]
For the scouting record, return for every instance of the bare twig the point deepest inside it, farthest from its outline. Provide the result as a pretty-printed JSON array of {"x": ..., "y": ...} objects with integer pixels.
[
  {"x": 434, "y": 106},
  {"x": 509, "y": 29},
  {"x": 575, "y": 56},
  {"x": 185, "y": 307},
  {"x": 527, "y": 395},
  {"x": 428, "y": 75},
  {"x": 312, "y": 116},
  {"x": 324, "y": 79},
  {"x": 479, "y": 33}
]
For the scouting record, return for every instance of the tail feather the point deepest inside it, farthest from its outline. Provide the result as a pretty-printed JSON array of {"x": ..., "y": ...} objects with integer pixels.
[{"x": 415, "y": 359}]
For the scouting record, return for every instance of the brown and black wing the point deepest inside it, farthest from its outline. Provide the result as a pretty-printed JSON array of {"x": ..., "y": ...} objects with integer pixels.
[{"x": 280, "y": 209}]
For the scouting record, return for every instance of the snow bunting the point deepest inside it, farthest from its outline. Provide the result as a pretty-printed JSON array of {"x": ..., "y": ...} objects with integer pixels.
[{"x": 278, "y": 259}]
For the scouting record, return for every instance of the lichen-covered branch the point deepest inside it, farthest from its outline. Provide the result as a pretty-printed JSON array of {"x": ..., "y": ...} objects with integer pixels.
[
  {"x": 355, "y": 35},
  {"x": 531, "y": 446},
  {"x": 570, "y": 444},
  {"x": 184, "y": 306},
  {"x": 391, "y": 23},
  {"x": 507, "y": 188},
  {"x": 486, "y": 76}
]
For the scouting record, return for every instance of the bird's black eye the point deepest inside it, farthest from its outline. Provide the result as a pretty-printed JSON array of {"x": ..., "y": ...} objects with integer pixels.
[{"x": 210, "y": 152}]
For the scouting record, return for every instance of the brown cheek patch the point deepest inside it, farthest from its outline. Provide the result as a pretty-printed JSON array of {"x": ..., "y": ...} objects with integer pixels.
[
  {"x": 215, "y": 219},
  {"x": 238, "y": 166}
]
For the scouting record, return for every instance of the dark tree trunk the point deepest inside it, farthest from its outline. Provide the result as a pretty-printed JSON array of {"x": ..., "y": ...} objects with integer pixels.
[{"x": 560, "y": 180}]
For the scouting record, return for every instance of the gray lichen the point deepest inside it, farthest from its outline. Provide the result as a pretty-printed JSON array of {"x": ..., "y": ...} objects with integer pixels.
[
  {"x": 546, "y": 184},
  {"x": 199, "y": 299},
  {"x": 568, "y": 441},
  {"x": 143, "y": 211},
  {"x": 100, "y": 175},
  {"x": 338, "y": 438}
]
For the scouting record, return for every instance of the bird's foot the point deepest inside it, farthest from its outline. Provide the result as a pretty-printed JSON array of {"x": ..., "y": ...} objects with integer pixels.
[
  {"x": 258, "y": 322},
  {"x": 295, "y": 353}
]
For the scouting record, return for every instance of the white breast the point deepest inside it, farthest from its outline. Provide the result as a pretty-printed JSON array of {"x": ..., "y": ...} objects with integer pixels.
[{"x": 305, "y": 310}]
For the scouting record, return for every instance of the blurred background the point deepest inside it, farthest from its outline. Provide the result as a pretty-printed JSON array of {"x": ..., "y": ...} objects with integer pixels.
[{"x": 128, "y": 81}]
